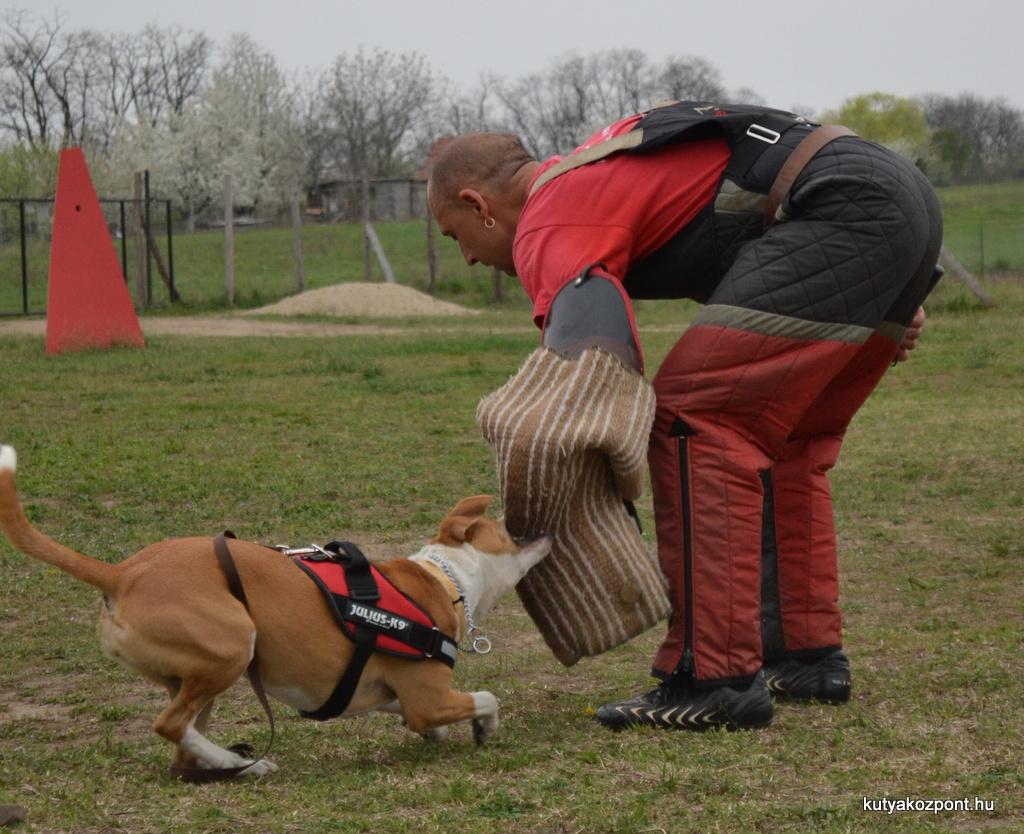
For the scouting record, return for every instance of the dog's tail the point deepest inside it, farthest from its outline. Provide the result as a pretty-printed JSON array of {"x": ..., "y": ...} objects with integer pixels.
[{"x": 33, "y": 543}]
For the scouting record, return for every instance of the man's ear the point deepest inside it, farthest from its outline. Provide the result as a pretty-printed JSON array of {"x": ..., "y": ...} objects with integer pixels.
[{"x": 475, "y": 201}]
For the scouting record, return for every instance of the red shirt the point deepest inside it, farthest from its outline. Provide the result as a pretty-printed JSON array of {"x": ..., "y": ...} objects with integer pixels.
[{"x": 615, "y": 211}]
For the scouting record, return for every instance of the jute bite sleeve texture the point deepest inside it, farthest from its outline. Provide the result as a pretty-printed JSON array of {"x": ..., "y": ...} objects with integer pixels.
[{"x": 570, "y": 438}]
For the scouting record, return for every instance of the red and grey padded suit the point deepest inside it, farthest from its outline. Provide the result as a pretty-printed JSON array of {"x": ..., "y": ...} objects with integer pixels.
[{"x": 801, "y": 320}]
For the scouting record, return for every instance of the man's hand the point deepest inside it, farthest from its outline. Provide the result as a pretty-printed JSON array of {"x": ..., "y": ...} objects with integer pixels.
[{"x": 912, "y": 335}]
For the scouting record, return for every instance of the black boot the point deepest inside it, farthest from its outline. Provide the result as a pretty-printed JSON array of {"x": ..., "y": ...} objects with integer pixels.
[
  {"x": 681, "y": 706},
  {"x": 824, "y": 679}
]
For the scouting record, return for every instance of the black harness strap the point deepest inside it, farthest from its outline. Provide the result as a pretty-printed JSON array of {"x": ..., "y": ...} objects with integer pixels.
[
  {"x": 206, "y": 774},
  {"x": 431, "y": 642},
  {"x": 341, "y": 697},
  {"x": 678, "y": 121},
  {"x": 362, "y": 587}
]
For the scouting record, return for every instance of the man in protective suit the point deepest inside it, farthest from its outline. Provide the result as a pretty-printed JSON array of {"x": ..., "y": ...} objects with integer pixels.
[{"x": 812, "y": 251}]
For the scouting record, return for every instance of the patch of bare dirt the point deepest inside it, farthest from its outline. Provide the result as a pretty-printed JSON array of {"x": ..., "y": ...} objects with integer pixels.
[
  {"x": 340, "y": 300},
  {"x": 230, "y": 325},
  {"x": 40, "y": 704},
  {"x": 362, "y": 299}
]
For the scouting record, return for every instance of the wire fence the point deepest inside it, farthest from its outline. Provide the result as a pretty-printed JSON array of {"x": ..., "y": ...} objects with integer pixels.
[
  {"x": 989, "y": 250},
  {"x": 26, "y": 232}
]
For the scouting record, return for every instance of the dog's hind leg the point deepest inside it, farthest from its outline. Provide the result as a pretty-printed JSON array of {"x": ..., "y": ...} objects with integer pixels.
[
  {"x": 181, "y": 758},
  {"x": 184, "y": 724}
]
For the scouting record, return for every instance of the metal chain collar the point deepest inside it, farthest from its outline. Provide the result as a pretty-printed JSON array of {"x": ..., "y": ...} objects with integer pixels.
[{"x": 480, "y": 644}]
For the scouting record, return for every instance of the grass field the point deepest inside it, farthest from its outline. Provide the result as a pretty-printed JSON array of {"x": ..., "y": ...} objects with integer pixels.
[
  {"x": 985, "y": 226},
  {"x": 265, "y": 267},
  {"x": 373, "y": 438},
  {"x": 984, "y": 231}
]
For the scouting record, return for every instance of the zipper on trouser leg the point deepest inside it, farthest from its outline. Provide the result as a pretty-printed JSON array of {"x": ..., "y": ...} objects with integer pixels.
[{"x": 687, "y": 665}]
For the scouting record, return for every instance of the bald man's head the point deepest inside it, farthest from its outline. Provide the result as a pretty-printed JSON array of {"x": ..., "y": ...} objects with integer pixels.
[{"x": 487, "y": 162}]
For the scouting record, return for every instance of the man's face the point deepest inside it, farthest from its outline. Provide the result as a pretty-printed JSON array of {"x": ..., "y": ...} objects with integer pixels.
[{"x": 464, "y": 223}]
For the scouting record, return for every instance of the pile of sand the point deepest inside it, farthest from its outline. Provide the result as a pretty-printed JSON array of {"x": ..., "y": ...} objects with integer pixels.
[{"x": 362, "y": 299}]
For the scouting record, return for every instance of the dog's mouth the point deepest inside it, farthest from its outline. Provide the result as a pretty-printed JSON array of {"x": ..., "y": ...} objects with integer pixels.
[{"x": 527, "y": 541}]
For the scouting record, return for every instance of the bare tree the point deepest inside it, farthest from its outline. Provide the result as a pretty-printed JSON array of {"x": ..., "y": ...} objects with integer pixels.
[
  {"x": 315, "y": 140},
  {"x": 746, "y": 95},
  {"x": 115, "y": 63},
  {"x": 61, "y": 87},
  {"x": 691, "y": 78},
  {"x": 624, "y": 83},
  {"x": 555, "y": 112},
  {"x": 373, "y": 103},
  {"x": 172, "y": 65},
  {"x": 525, "y": 103},
  {"x": 976, "y": 139},
  {"x": 461, "y": 112},
  {"x": 41, "y": 84},
  {"x": 452, "y": 111}
]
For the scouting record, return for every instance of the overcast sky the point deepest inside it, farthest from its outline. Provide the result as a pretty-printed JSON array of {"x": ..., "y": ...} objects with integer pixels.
[{"x": 802, "y": 54}]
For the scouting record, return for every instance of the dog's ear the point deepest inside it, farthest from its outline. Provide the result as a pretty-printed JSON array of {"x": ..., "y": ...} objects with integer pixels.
[{"x": 467, "y": 512}]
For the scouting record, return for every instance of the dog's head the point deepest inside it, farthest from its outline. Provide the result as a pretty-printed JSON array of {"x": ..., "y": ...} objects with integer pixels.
[{"x": 486, "y": 560}]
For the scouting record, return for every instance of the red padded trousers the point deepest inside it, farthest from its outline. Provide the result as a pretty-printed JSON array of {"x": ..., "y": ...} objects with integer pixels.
[
  {"x": 761, "y": 388},
  {"x": 706, "y": 458}
]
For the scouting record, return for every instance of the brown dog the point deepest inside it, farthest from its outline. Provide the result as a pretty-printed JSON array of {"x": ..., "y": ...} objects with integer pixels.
[{"x": 167, "y": 614}]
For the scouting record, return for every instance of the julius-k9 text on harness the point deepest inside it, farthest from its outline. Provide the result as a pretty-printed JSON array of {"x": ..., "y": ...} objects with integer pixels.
[{"x": 374, "y": 614}]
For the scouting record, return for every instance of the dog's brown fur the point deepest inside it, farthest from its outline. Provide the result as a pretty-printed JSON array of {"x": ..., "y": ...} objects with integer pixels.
[{"x": 167, "y": 614}]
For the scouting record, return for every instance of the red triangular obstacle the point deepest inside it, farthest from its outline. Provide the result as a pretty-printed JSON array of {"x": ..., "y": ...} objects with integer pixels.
[{"x": 88, "y": 305}]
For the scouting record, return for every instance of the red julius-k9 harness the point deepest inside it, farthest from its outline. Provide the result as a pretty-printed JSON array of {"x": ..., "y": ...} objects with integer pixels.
[{"x": 374, "y": 614}]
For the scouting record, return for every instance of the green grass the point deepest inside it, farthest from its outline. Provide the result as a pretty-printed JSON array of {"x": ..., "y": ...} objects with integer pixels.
[
  {"x": 991, "y": 215},
  {"x": 265, "y": 267},
  {"x": 373, "y": 438},
  {"x": 984, "y": 226}
]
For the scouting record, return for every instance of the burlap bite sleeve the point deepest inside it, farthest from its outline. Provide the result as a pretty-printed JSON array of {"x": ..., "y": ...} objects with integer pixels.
[{"x": 570, "y": 438}]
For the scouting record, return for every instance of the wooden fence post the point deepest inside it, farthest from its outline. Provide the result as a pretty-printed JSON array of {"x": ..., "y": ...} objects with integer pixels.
[
  {"x": 963, "y": 275},
  {"x": 140, "y": 244},
  {"x": 431, "y": 255},
  {"x": 385, "y": 264},
  {"x": 229, "y": 241},
  {"x": 367, "y": 260},
  {"x": 300, "y": 274},
  {"x": 497, "y": 285}
]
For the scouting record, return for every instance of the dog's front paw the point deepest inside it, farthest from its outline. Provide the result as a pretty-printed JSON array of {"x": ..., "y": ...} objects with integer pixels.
[
  {"x": 435, "y": 734},
  {"x": 260, "y": 768},
  {"x": 485, "y": 723}
]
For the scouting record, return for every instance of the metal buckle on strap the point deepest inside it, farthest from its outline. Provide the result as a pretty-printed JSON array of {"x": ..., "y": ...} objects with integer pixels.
[
  {"x": 314, "y": 553},
  {"x": 442, "y": 644},
  {"x": 765, "y": 134}
]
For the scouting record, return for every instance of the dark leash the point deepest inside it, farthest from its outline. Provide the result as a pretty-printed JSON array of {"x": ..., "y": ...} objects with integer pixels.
[{"x": 207, "y": 774}]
